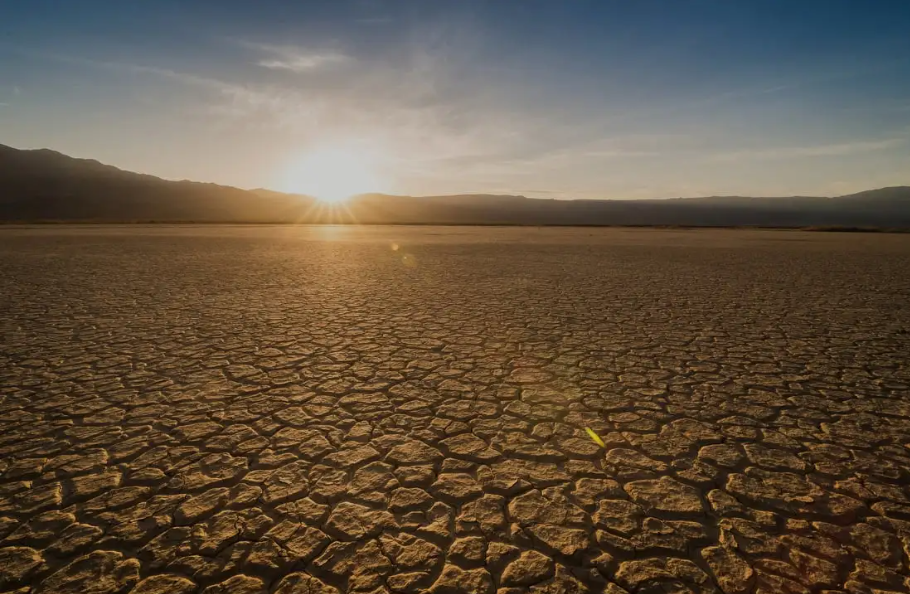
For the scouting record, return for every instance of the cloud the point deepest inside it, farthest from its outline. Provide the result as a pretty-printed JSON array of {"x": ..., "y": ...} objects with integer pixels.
[
  {"x": 422, "y": 99},
  {"x": 382, "y": 20},
  {"x": 233, "y": 99},
  {"x": 617, "y": 154},
  {"x": 296, "y": 59},
  {"x": 577, "y": 153},
  {"x": 409, "y": 107},
  {"x": 823, "y": 150},
  {"x": 431, "y": 114},
  {"x": 428, "y": 112},
  {"x": 190, "y": 79}
]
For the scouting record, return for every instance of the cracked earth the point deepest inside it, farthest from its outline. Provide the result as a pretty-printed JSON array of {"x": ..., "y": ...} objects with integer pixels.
[{"x": 321, "y": 410}]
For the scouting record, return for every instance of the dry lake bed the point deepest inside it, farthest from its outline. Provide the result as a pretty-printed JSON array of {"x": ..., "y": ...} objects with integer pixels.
[{"x": 389, "y": 409}]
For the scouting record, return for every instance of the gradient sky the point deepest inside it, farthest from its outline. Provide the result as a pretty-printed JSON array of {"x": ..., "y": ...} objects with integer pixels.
[{"x": 574, "y": 98}]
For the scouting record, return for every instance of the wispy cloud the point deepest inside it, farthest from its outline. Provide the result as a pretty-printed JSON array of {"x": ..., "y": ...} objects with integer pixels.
[
  {"x": 233, "y": 99},
  {"x": 410, "y": 107},
  {"x": 822, "y": 150},
  {"x": 422, "y": 100},
  {"x": 183, "y": 77},
  {"x": 296, "y": 59},
  {"x": 382, "y": 20},
  {"x": 577, "y": 153},
  {"x": 434, "y": 117}
]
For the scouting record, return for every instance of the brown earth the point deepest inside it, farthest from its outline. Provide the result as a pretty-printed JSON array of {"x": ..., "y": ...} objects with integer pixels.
[{"x": 303, "y": 410}]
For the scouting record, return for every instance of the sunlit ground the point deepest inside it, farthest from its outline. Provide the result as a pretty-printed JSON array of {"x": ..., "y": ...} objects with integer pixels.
[{"x": 449, "y": 409}]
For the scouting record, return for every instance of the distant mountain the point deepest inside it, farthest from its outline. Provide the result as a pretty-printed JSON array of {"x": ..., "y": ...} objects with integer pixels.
[
  {"x": 44, "y": 185},
  {"x": 47, "y": 185}
]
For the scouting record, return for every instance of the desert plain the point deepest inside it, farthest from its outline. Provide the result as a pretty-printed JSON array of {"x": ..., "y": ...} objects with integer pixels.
[{"x": 293, "y": 409}]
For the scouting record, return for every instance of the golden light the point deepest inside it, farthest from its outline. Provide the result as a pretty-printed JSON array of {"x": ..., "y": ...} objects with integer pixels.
[{"x": 334, "y": 174}]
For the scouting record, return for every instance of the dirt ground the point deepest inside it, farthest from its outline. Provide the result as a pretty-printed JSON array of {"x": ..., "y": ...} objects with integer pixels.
[{"x": 389, "y": 409}]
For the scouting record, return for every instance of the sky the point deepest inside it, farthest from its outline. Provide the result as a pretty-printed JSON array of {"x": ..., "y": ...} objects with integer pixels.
[{"x": 545, "y": 98}]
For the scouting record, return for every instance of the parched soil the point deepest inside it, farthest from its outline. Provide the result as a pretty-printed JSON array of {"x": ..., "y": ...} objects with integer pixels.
[{"x": 391, "y": 409}]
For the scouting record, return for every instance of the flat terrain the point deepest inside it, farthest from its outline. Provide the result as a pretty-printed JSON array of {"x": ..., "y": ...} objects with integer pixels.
[{"x": 391, "y": 409}]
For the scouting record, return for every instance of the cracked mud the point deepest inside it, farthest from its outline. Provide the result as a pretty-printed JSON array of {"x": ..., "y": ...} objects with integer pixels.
[{"x": 308, "y": 410}]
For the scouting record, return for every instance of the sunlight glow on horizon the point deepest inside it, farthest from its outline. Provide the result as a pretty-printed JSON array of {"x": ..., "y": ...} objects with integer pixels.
[{"x": 334, "y": 173}]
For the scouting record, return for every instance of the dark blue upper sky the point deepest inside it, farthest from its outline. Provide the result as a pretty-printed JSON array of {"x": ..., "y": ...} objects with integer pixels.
[{"x": 586, "y": 98}]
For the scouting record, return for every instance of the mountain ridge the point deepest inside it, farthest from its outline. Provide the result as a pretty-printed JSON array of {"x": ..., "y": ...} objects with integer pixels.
[{"x": 45, "y": 185}]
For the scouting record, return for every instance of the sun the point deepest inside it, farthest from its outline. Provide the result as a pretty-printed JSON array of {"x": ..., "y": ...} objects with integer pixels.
[{"x": 334, "y": 173}]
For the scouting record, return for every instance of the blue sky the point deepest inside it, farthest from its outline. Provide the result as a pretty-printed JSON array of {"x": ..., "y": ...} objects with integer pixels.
[{"x": 576, "y": 98}]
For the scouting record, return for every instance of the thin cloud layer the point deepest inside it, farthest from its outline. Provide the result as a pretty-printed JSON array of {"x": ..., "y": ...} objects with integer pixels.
[
  {"x": 296, "y": 59},
  {"x": 826, "y": 150}
]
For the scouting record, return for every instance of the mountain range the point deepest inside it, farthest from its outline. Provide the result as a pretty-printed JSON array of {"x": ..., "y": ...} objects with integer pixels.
[{"x": 44, "y": 185}]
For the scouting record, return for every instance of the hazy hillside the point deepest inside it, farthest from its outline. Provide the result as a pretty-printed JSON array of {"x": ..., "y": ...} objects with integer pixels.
[
  {"x": 43, "y": 185},
  {"x": 46, "y": 185}
]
